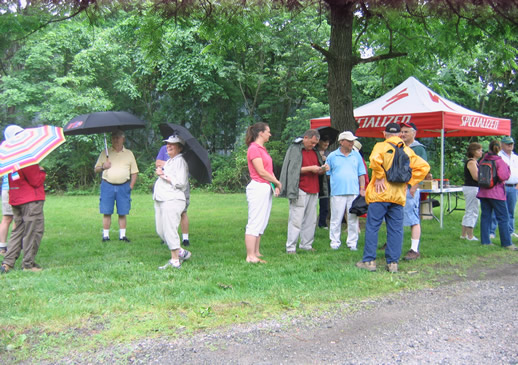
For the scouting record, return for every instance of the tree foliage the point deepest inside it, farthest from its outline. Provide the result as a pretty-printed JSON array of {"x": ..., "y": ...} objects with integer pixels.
[{"x": 217, "y": 67}]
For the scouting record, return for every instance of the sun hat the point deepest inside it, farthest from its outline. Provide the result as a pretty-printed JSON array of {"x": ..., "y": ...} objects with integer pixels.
[
  {"x": 174, "y": 139},
  {"x": 11, "y": 131}
]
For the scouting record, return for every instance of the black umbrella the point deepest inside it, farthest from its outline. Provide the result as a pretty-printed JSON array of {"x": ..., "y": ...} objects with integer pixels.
[
  {"x": 329, "y": 132},
  {"x": 102, "y": 122},
  {"x": 195, "y": 155}
]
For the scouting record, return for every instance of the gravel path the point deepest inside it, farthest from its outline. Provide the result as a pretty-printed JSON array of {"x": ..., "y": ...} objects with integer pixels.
[{"x": 473, "y": 321}]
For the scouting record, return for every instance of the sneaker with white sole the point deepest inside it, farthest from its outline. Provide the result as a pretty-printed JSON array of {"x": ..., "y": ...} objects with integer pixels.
[
  {"x": 492, "y": 235},
  {"x": 171, "y": 264},
  {"x": 472, "y": 238},
  {"x": 514, "y": 235},
  {"x": 463, "y": 237},
  {"x": 334, "y": 246},
  {"x": 184, "y": 255}
]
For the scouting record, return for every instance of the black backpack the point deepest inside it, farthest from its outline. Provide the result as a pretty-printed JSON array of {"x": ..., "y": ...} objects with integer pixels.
[
  {"x": 487, "y": 175},
  {"x": 400, "y": 171}
]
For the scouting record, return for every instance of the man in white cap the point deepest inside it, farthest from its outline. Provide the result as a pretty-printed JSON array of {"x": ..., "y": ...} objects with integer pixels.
[
  {"x": 347, "y": 173},
  {"x": 119, "y": 174}
]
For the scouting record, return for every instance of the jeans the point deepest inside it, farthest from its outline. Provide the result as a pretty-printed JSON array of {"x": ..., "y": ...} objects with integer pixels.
[
  {"x": 393, "y": 214},
  {"x": 324, "y": 211},
  {"x": 511, "y": 194},
  {"x": 499, "y": 208}
]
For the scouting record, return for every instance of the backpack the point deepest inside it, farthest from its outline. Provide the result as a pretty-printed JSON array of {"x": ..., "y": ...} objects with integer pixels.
[
  {"x": 400, "y": 170},
  {"x": 487, "y": 175}
]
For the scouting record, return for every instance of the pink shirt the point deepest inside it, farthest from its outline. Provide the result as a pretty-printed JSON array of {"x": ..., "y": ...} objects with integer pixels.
[{"x": 257, "y": 151}]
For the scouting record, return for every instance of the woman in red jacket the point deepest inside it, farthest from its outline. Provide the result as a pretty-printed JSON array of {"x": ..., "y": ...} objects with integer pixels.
[{"x": 26, "y": 196}]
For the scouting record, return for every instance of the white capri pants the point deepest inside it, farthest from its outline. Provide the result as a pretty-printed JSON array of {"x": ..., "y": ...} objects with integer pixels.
[
  {"x": 472, "y": 206},
  {"x": 167, "y": 219},
  {"x": 259, "y": 197},
  {"x": 340, "y": 205}
]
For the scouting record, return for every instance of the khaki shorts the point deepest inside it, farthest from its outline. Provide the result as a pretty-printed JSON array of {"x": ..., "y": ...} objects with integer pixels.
[{"x": 6, "y": 208}]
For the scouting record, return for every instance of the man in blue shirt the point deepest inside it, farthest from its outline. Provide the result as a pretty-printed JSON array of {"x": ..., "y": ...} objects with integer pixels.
[{"x": 347, "y": 173}]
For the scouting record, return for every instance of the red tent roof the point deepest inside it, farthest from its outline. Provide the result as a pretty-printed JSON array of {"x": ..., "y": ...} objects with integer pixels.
[{"x": 413, "y": 102}]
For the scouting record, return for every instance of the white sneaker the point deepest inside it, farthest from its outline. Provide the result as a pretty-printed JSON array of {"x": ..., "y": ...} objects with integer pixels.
[
  {"x": 170, "y": 263},
  {"x": 515, "y": 235},
  {"x": 353, "y": 248},
  {"x": 491, "y": 236},
  {"x": 335, "y": 246},
  {"x": 463, "y": 237},
  {"x": 184, "y": 255},
  {"x": 472, "y": 238}
]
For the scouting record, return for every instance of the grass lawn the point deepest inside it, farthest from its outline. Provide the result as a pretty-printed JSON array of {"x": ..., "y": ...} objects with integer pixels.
[{"x": 92, "y": 293}]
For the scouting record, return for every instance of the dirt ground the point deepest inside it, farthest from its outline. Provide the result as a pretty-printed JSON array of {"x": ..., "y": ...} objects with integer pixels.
[{"x": 467, "y": 320}]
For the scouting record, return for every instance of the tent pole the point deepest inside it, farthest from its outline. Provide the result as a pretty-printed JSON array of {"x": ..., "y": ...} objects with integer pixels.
[{"x": 442, "y": 175}]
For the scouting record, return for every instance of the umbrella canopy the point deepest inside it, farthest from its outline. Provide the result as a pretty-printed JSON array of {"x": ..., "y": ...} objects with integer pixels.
[
  {"x": 194, "y": 154},
  {"x": 329, "y": 132},
  {"x": 29, "y": 147},
  {"x": 102, "y": 122}
]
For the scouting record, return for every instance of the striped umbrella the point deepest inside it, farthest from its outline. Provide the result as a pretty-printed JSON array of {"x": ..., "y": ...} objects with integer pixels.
[{"x": 29, "y": 147}]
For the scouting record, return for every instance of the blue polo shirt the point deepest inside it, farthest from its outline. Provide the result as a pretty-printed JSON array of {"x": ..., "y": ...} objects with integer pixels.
[{"x": 344, "y": 171}]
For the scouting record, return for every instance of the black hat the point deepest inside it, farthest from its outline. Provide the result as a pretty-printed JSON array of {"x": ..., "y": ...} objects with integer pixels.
[
  {"x": 408, "y": 125},
  {"x": 393, "y": 128}
]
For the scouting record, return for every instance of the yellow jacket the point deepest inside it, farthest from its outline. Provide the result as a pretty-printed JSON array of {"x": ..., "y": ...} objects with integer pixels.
[{"x": 395, "y": 192}]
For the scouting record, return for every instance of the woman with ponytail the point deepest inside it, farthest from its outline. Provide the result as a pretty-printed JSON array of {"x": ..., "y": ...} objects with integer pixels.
[{"x": 259, "y": 191}]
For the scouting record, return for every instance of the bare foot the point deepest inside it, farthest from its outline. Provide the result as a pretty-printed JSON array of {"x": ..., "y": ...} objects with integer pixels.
[{"x": 262, "y": 261}]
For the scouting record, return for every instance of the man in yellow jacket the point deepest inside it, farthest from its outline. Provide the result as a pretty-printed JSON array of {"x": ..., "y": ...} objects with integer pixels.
[{"x": 387, "y": 199}]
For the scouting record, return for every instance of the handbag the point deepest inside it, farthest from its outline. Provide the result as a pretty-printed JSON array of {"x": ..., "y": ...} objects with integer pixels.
[{"x": 359, "y": 206}]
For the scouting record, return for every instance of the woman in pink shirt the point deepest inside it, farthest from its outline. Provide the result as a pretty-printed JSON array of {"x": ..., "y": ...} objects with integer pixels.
[{"x": 259, "y": 190}]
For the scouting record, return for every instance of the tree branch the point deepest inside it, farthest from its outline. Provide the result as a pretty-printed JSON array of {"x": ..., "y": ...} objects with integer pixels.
[
  {"x": 323, "y": 51},
  {"x": 386, "y": 56}
]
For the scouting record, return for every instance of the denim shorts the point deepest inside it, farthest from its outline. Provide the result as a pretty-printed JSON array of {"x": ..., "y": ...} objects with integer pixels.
[
  {"x": 411, "y": 210},
  {"x": 110, "y": 194}
]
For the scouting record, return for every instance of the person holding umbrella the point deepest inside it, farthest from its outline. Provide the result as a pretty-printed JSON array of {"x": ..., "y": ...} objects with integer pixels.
[
  {"x": 26, "y": 197},
  {"x": 119, "y": 174},
  {"x": 160, "y": 161},
  {"x": 169, "y": 197}
]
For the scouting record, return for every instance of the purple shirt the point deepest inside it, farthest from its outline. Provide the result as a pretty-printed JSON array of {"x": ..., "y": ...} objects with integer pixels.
[
  {"x": 503, "y": 172},
  {"x": 162, "y": 154}
]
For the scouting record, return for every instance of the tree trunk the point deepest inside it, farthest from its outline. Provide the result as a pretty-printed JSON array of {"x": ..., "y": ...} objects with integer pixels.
[{"x": 340, "y": 62}]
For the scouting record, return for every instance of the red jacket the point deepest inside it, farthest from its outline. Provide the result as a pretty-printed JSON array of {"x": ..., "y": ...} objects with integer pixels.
[{"x": 27, "y": 186}]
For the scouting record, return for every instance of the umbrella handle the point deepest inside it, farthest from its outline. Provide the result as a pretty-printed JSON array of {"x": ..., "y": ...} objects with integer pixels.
[{"x": 105, "y": 145}]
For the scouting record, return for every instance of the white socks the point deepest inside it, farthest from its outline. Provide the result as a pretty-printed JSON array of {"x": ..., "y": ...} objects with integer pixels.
[{"x": 415, "y": 245}]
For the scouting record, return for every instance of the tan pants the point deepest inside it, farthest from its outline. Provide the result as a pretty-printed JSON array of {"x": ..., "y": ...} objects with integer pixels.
[
  {"x": 302, "y": 221},
  {"x": 26, "y": 235},
  {"x": 167, "y": 219}
]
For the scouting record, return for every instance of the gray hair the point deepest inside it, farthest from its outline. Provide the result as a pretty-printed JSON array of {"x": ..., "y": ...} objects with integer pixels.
[
  {"x": 310, "y": 133},
  {"x": 118, "y": 133}
]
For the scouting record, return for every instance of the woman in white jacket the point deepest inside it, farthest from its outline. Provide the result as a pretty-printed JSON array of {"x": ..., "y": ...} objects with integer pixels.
[{"x": 169, "y": 197}]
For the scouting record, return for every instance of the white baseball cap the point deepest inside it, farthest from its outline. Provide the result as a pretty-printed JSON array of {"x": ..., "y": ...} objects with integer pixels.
[{"x": 348, "y": 136}]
